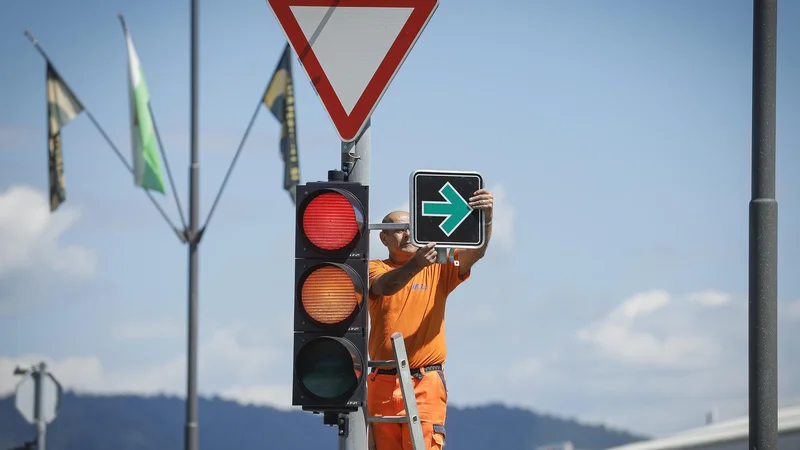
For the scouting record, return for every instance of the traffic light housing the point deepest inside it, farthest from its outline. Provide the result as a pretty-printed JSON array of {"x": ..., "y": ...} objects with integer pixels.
[{"x": 331, "y": 283}]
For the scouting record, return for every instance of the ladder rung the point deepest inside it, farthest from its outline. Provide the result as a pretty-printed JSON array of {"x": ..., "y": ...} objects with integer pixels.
[
  {"x": 411, "y": 416},
  {"x": 390, "y": 419}
]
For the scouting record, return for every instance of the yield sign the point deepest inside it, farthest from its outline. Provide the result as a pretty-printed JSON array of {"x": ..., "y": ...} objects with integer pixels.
[{"x": 352, "y": 49}]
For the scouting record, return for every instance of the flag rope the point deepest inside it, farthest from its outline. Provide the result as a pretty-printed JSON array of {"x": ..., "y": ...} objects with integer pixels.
[
  {"x": 233, "y": 162},
  {"x": 166, "y": 166},
  {"x": 181, "y": 233}
]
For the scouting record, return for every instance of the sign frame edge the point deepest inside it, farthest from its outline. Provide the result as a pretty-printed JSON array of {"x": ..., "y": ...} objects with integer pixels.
[{"x": 412, "y": 213}]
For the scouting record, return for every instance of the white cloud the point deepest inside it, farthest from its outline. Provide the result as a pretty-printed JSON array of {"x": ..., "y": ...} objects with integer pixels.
[
  {"x": 87, "y": 374},
  {"x": 29, "y": 235},
  {"x": 636, "y": 356},
  {"x": 793, "y": 311},
  {"x": 710, "y": 297},
  {"x": 626, "y": 335},
  {"x": 642, "y": 304},
  {"x": 503, "y": 226},
  {"x": 654, "y": 363},
  {"x": 33, "y": 257},
  {"x": 277, "y": 395},
  {"x": 155, "y": 329},
  {"x": 234, "y": 362}
]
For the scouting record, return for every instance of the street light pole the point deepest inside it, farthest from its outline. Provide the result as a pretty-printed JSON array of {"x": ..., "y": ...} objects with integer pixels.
[{"x": 763, "y": 273}]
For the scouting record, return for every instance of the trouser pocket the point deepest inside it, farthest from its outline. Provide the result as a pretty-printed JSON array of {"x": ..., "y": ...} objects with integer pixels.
[
  {"x": 444, "y": 382},
  {"x": 438, "y": 436}
]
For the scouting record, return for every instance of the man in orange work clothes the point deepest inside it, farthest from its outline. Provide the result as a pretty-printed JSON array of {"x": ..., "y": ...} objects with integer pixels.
[{"x": 407, "y": 294}]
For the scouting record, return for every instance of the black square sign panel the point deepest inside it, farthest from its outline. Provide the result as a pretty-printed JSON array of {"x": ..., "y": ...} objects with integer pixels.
[{"x": 440, "y": 210}]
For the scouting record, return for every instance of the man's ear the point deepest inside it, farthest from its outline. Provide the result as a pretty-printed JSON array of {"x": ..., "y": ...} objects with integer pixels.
[{"x": 382, "y": 235}]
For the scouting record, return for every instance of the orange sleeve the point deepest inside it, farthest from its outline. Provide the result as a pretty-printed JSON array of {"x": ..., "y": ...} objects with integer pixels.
[
  {"x": 451, "y": 275},
  {"x": 376, "y": 267}
]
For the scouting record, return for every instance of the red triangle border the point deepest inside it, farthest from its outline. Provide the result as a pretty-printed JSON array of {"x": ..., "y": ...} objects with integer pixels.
[{"x": 348, "y": 127}]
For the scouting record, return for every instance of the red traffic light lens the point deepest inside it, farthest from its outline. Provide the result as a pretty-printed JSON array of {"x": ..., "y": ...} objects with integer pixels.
[
  {"x": 330, "y": 221},
  {"x": 329, "y": 295}
]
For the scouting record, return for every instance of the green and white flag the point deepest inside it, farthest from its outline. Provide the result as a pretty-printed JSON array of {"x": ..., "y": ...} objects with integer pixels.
[{"x": 146, "y": 159}]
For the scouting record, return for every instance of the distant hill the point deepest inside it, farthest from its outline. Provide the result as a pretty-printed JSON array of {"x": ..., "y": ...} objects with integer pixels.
[{"x": 156, "y": 423}]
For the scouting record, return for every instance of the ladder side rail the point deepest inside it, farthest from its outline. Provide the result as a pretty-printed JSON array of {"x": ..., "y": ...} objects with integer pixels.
[{"x": 407, "y": 388}]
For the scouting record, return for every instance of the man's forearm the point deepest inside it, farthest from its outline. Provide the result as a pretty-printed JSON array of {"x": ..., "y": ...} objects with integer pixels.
[
  {"x": 394, "y": 280},
  {"x": 488, "y": 236},
  {"x": 478, "y": 253},
  {"x": 469, "y": 256}
]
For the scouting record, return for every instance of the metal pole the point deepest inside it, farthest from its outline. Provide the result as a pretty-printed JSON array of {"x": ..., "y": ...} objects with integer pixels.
[
  {"x": 763, "y": 273},
  {"x": 193, "y": 236},
  {"x": 357, "y": 155},
  {"x": 38, "y": 377},
  {"x": 356, "y": 162}
]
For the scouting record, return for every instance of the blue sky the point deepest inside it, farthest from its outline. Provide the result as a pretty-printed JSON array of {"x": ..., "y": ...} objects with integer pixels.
[{"x": 615, "y": 136}]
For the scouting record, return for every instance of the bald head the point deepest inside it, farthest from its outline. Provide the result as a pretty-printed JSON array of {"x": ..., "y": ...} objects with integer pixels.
[
  {"x": 396, "y": 217},
  {"x": 397, "y": 241}
]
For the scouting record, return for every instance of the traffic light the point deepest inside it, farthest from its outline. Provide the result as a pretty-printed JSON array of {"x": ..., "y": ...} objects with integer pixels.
[{"x": 331, "y": 282}]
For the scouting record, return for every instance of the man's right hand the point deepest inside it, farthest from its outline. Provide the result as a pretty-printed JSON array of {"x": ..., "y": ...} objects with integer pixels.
[
  {"x": 392, "y": 281},
  {"x": 425, "y": 256}
]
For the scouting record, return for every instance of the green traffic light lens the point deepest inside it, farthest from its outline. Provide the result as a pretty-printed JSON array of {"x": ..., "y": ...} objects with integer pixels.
[{"x": 329, "y": 368}]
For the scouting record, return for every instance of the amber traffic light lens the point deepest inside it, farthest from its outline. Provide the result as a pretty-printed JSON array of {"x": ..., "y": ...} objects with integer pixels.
[
  {"x": 329, "y": 295},
  {"x": 328, "y": 368},
  {"x": 330, "y": 221}
]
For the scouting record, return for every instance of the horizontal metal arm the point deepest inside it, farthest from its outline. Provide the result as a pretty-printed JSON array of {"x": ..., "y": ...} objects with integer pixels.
[
  {"x": 388, "y": 226},
  {"x": 387, "y": 419}
]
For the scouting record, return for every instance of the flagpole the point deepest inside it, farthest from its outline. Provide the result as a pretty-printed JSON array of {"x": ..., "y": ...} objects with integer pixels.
[{"x": 194, "y": 236}]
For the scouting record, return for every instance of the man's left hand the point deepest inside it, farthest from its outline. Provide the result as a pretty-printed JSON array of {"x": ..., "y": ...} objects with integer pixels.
[{"x": 483, "y": 200}]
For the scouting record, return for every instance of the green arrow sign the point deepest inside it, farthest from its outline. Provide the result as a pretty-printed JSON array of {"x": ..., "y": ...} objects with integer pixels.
[{"x": 454, "y": 208}]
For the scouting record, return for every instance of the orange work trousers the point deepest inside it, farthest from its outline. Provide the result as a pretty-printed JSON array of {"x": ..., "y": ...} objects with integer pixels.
[{"x": 384, "y": 398}]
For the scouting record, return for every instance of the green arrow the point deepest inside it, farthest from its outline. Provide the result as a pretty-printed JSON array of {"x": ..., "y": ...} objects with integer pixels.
[{"x": 454, "y": 208}]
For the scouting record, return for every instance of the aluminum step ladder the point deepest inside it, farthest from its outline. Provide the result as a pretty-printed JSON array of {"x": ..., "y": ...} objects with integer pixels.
[{"x": 407, "y": 388}]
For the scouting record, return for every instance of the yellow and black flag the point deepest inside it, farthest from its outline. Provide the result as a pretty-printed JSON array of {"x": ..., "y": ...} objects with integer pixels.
[
  {"x": 62, "y": 107},
  {"x": 279, "y": 99}
]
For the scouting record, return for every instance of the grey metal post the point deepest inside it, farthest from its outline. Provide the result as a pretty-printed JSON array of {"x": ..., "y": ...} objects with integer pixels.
[
  {"x": 38, "y": 377},
  {"x": 763, "y": 273},
  {"x": 356, "y": 437},
  {"x": 357, "y": 155},
  {"x": 193, "y": 237},
  {"x": 356, "y": 162}
]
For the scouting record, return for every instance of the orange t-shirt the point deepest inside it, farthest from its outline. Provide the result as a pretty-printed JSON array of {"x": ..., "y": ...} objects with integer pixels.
[{"x": 416, "y": 311}]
